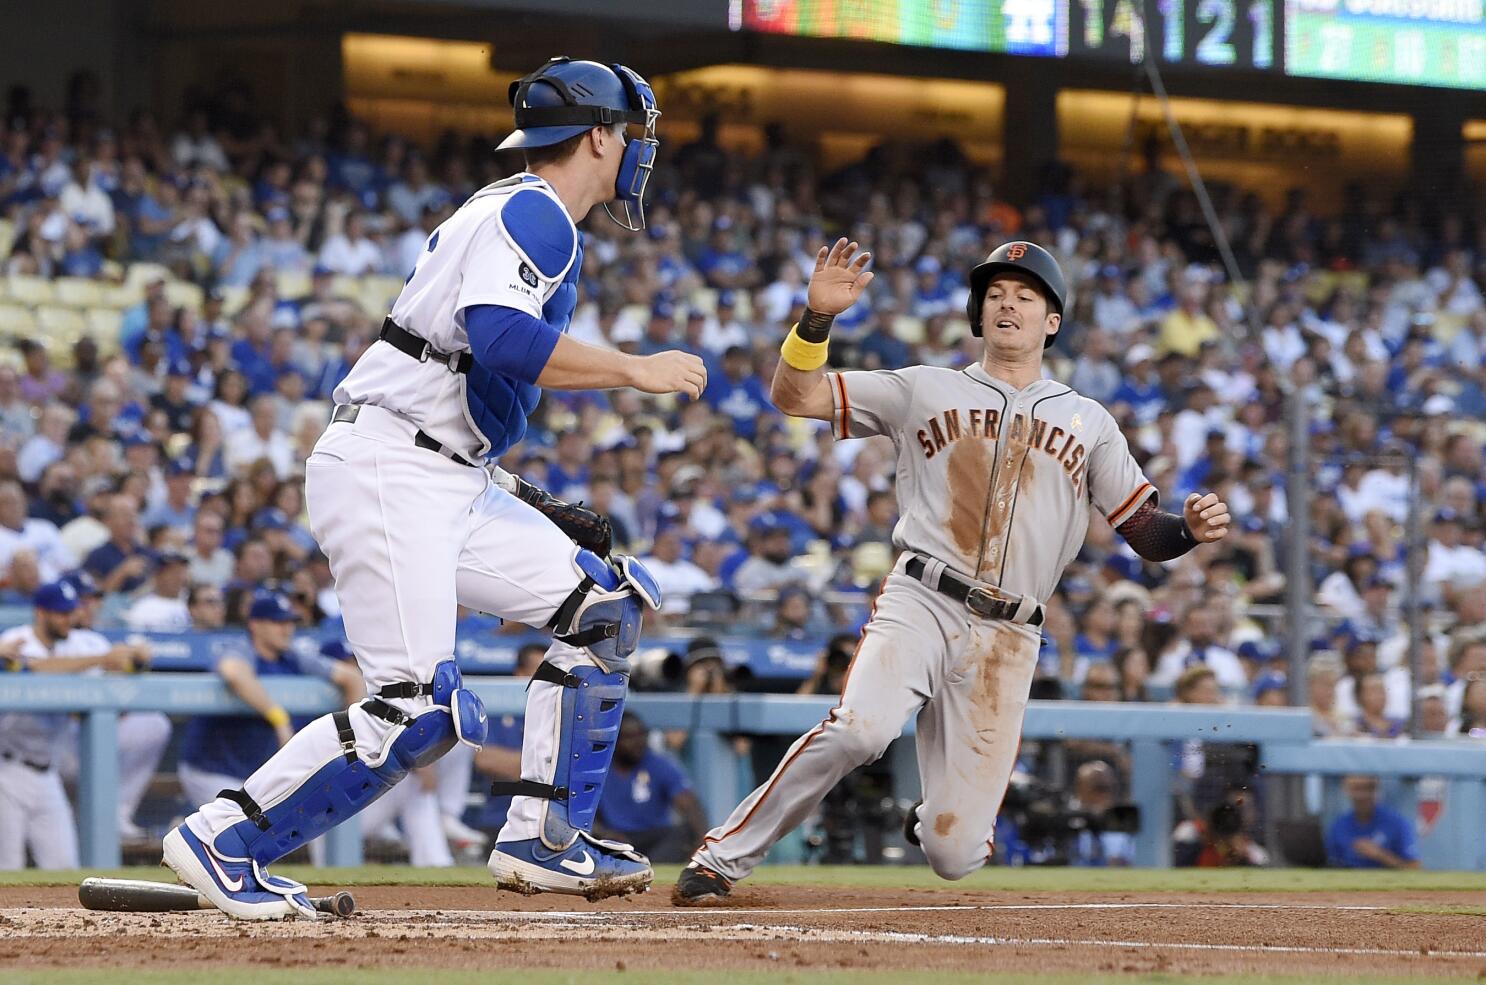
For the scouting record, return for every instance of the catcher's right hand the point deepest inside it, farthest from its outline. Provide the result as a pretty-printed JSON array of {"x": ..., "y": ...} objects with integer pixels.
[{"x": 587, "y": 528}]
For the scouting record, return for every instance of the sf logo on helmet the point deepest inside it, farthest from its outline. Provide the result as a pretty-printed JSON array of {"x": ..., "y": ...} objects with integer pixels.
[{"x": 1016, "y": 251}]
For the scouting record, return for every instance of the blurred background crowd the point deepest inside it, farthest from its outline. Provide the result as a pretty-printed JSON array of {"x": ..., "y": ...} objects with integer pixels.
[{"x": 179, "y": 299}]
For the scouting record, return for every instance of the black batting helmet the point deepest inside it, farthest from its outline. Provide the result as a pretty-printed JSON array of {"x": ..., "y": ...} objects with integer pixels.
[{"x": 1026, "y": 258}]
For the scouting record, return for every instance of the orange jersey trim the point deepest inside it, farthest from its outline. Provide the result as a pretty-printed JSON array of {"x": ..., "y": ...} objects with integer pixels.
[{"x": 1130, "y": 501}]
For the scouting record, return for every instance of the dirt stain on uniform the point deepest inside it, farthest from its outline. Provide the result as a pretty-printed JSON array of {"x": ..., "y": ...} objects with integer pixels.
[
  {"x": 1010, "y": 483},
  {"x": 994, "y": 659},
  {"x": 969, "y": 474},
  {"x": 944, "y": 824}
]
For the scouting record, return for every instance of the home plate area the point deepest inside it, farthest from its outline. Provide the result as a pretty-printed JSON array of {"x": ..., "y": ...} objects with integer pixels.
[{"x": 1331, "y": 935}]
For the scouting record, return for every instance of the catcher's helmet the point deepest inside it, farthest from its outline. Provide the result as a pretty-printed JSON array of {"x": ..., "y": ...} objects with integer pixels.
[
  {"x": 1026, "y": 258},
  {"x": 564, "y": 98}
]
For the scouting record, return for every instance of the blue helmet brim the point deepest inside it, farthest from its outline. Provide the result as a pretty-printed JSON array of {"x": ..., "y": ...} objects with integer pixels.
[{"x": 541, "y": 136}]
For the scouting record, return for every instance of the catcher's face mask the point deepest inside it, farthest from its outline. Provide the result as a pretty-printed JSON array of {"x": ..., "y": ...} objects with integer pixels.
[{"x": 628, "y": 207}]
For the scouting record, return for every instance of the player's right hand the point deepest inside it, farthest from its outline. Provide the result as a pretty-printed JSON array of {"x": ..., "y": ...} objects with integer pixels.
[
  {"x": 838, "y": 279},
  {"x": 672, "y": 371}
]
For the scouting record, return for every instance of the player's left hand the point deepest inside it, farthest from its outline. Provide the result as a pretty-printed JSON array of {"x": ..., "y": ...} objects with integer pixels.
[
  {"x": 840, "y": 277},
  {"x": 1207, "y": 517}
]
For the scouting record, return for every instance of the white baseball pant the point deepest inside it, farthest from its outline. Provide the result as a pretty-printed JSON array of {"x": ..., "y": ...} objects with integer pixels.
[
  {"x": 924, "y": 654},
  {"x": 411, "y": 535}
]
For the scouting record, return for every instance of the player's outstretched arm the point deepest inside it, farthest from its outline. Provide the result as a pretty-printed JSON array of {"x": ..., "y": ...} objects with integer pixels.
[
  {"x": 576, "y": 365},
  {"x": 799, "y": 388},
  {"x": 522, "y": 346}
]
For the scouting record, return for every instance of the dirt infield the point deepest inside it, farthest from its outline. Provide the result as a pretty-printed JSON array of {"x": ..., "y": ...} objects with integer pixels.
[{"x": 1341, "y": 936}]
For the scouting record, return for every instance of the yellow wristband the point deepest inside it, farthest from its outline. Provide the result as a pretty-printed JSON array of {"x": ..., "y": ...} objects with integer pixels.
[
  {"x": 802, "y": 355},
  {"x": 276, "y": 716}
]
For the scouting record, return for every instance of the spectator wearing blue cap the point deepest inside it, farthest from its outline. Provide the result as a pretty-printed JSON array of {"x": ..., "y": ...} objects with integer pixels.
[
  {"x": 279, "y": 249},
  {"x": 769, "y": 565},
  {"x": 1360, "y": 659},
  {"x": 933, "y": 294},
  {"x": 174, "y": 397},
  {"x": 176, "y": 508},
  {"x": 721, "y": 263},
  {"x": 1198, "y": 646},
  {"x": 35, "y": 816},
  {"x": 162, "y": 608},
  {"x": 122, "y": 563},
  {"x": 1271, "y": 691},
  {"x": 219, "y": 751},
  {"x": 738, "y": 393},
  {"x": 724, "y": 329},
  {"x": 660, "y": 330},
  {"x": 1452, "y": 560}
]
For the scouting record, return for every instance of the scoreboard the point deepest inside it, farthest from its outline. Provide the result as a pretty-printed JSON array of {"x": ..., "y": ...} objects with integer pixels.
[
  {"x": 1414, "y": 42},
  {"x": 1422, "y": 42}
]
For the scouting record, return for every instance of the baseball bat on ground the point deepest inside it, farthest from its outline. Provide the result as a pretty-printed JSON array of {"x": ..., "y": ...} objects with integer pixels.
[{"x": 143, "y": 896}]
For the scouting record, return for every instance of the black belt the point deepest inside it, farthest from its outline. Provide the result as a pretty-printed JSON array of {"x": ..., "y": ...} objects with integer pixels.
[
  {"x": 11, "y": 757},
  {"x": 347, "y": 414},
  {"x": 983, "y": 600},
  {"x": 421, "y": 349}
]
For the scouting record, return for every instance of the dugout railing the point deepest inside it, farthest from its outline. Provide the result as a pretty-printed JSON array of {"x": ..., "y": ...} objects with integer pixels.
[{"x": 1456, "y": 839}]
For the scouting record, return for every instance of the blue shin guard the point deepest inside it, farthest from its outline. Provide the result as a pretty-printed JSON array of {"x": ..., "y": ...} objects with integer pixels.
[
  {"x": 592, "y": 706},
  {"x": 347, "y": 784}
]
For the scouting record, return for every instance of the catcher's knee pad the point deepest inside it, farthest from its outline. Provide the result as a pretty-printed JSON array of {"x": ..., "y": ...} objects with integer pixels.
[
  {"x": 591, "y": 708},
  {"x": 603, "y": 614},
  {"x": 347, "y": 783}
]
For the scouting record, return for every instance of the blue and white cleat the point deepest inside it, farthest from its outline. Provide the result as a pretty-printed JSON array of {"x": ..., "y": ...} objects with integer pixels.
[
  {"x": 589, "y": 867},
  {"x": 237, "y": 887}
]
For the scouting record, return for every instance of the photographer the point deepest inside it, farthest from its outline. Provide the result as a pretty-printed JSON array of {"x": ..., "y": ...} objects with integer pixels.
[
  {"x": 857, "y": 805},
  {"x": 829, "y": 676},
  {"x": 1094, "y": 790},
  {"x": 1218, "y": 840}
]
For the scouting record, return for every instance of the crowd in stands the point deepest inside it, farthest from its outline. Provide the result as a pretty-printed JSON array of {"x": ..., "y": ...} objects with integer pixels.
[
  {"x": 184, "y": 434},
  {"x": 179, "y": 300}
]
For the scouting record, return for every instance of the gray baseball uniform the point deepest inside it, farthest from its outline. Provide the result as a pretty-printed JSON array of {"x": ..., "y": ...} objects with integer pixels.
[{"x": 996, "y": 484}]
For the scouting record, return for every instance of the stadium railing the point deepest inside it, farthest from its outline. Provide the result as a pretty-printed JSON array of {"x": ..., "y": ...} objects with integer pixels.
[{"x": 1283, "y": 736}]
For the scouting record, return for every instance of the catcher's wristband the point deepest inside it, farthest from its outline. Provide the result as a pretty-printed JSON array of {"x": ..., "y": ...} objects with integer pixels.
[{"x": 802, "y": 355}]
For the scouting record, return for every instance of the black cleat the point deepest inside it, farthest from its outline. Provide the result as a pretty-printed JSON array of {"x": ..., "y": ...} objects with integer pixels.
[
  {"x": 699, "y": 885},
  {"x": 909, "y": 823}
]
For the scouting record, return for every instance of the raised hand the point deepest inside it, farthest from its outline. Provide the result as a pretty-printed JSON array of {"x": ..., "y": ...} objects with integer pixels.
[{"x": 838, "y": 279}]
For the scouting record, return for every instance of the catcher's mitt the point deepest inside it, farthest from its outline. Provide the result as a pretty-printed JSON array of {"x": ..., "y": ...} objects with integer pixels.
[{"x": 587, "y": 528}]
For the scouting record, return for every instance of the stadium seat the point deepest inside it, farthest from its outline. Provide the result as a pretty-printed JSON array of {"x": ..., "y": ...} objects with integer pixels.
[
  {"x": 7, "y": 237},
  {"x": 25, "y": 289},
  {"x": 233, "y": 299},
  {"x": 704, "y": 298},
  {"x": 184, "y": 294},
  {"x": 908, "y": 329},
  {"x": 103, "y": 327},
  {"x": 17, "y": 319},
  {"x": 78, "y": 292},
  {"x": 119, "y": 295},
  {"x": 377, "y": 292},
  {"x": 60, "y": 321},
  {"x": 292, "y": 283},
  {"x": 62, "y": 327},
  {"x": 140, "y": 274}
]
